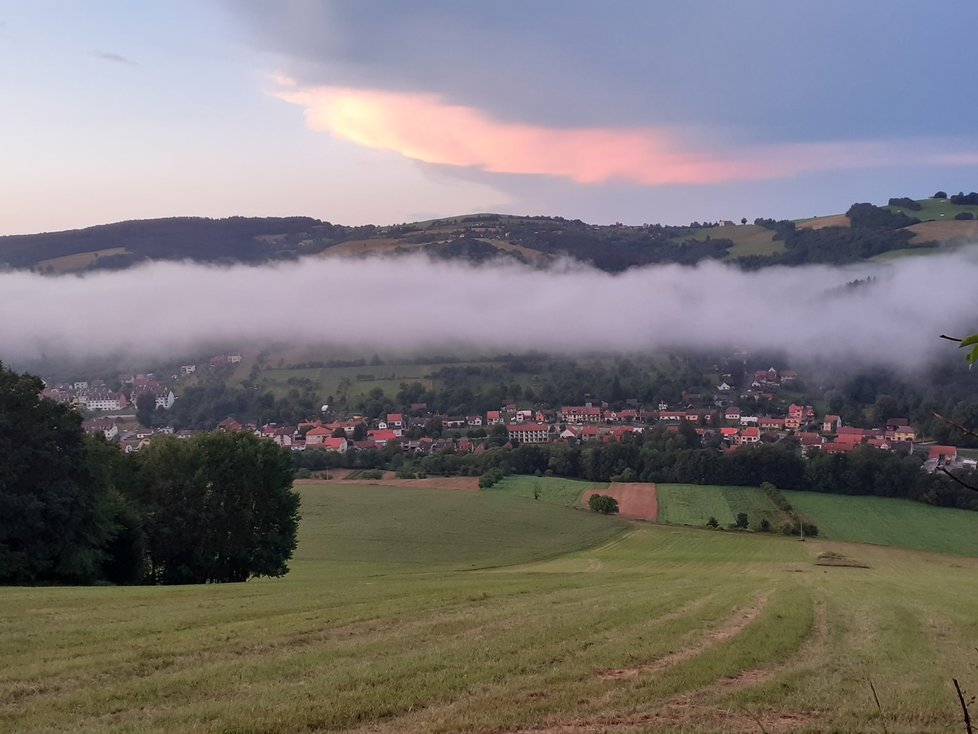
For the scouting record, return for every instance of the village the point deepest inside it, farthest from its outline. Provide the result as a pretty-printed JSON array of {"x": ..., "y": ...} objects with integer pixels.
[{"x": 419, "y": 432}]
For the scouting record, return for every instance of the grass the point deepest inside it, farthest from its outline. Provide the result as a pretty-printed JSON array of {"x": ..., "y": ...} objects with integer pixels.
[
  {"x": 553, "y": 490},
  {"x": 892, "y": 522},
  {"x": 693, "y": 504},
  {"x": 936, "y": 209},
  {"x": 78, "y": 260},
  {"x": 376, "y": 631}
]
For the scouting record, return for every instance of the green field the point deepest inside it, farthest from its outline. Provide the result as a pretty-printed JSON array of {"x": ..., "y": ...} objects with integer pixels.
[
  {"x": 565, "y": 492},
  {"x": 891, "y": 522},
  {"x": 404, "y": 612},
  {"x": 693, "y": 504},
  {"x": 897, "y": 523},
  {"x": 934, "y": 209}
]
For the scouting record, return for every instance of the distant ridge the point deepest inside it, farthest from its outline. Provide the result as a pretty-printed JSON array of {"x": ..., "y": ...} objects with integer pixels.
[{"x": 864, "y": 232}]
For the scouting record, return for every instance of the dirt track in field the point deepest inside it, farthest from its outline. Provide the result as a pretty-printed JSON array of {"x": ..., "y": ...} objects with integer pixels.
[{"x": 634, "y": 499}]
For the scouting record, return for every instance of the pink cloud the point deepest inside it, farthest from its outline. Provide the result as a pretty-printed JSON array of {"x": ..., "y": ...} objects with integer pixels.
[{"x": 424, "y": 127}]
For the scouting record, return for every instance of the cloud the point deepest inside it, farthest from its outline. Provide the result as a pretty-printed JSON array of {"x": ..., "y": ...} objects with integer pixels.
[
  {"x": 413, "y": 304},
  {"x": 115, "y": 58},
  {"x": 424, "y": 127}
]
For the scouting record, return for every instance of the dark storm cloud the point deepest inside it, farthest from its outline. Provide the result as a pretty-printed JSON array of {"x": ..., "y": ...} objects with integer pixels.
[{"x": 755, "y": 69}]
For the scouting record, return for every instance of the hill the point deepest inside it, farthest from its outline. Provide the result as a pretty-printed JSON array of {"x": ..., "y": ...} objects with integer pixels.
[
  {"x": 864, "y": 232},
  {"x": 384, "y": 625}
]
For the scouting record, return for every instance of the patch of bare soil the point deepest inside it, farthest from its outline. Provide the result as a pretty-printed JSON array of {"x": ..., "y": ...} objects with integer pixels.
[
  {"x": 634, "y": 499},
  {"x": 737, "y": 624},
  {"x": 830, "y": 558}
]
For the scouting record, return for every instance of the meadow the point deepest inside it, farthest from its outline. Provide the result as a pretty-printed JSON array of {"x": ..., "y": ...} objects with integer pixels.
[{"x": 411, "y": 610}]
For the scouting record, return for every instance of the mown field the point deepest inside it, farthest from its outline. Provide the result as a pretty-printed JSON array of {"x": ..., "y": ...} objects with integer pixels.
[
  {"x": 555, "y": 490},
  {"x": 891, "y": 522},
  {"x": 422, "y": 611}
]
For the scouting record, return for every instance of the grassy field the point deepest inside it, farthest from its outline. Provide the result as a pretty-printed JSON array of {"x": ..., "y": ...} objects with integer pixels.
[
  {"x": 692, "y": 504},
  {"x": 554, "y": 490},
  {"x": 404, "y": 614},
  {"x": 936, "y": 209},
  {"x": 898, "y": 523},
  {"x": 79, "y": 260}
]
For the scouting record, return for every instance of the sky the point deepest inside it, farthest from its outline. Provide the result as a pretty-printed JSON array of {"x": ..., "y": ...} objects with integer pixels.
[{"x": 386, "y": 112}]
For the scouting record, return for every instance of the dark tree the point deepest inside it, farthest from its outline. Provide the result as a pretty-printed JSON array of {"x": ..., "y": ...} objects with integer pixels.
[
  {"x": 940, "y": 195},
  {"x": 218, "y": 507},
  {"x": 145, "y": 405},
  {"x": 54, "y": 522},
  {"x": 603, "y": 503}
]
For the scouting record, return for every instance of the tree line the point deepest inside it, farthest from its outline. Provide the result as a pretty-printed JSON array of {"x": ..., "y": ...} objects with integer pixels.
[{"x": 77, "y": 510}]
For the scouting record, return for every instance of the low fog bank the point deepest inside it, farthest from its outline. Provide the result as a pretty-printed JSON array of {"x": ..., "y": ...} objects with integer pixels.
[{"x": 411, "y": 304}]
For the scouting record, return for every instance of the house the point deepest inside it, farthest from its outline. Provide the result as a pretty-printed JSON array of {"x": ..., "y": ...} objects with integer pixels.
[
  {"x": 902, "y": 433},
  {"x": 106, "y": 426},
  {"x": 381, "y": 437},
  {"x": 831, "y": 423},
  {"x": 493, "y": 418},
  {"x": 771, "y": 424},
  {"x": 792, "y": 423},
  {"x": 749, "y": 436},
  {"x": 837, "y": 447},
  {"x": 529, "y": 433},
  {"x": 188, "y": 369},
  {"x": 943, "y": 454},
  {"x": 580, "y": 414},
  {"x": 724, "y": 387},
  {"x": 395, "y": 421},
  {"x": 317, "y": 436},
  {"x": 473, "y": 420},
  {"x": 335, "y": 444},
  {"x": 229, "y": 424},
  {"x": 672, "y": 415},
  {"x": 748, "y": 420},
  {"x": 732, "y": 414}
]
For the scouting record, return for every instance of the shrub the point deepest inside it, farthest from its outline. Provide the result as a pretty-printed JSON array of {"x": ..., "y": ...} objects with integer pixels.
[
  {"x": 713, "y": 523},
  {"x": 940, "y": 195},
  {"x": 742, "y": 520},
  {"x": 964, "y": 215},
  {"x": 603, "y": 503},
  {"x": 765, "y": 525},
  {"x": 303, "y": 473}
]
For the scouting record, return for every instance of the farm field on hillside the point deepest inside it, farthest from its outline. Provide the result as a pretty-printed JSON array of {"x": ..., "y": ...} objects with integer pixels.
[
  {"x": 694, "y": 504},
  {"x": 893, "y": 522},
  {"x": 405, "y": 613},
  {"x": 555, "y": 490}
]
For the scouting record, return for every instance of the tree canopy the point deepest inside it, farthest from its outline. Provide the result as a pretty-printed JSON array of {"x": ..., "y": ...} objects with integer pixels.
[{"x": 219, "y": 507}]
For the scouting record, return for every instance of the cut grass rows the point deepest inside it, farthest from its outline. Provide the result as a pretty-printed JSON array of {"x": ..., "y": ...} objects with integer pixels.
[{"x": 502, "y": 623}]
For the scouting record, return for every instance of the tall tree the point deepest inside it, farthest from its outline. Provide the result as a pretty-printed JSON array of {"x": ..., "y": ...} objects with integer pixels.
[
  {"x": 218, "y": 507},
  {"x": 54, "y": 520}
]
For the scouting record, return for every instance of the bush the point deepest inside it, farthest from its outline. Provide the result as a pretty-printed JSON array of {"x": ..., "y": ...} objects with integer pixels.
[
  {"x": 905, "y": 203},
  {"x": 940, "y": 195},
  {"x": 713, "y": 523},
  {"x": 742, "y": 520},
  {"x": 303, "y": 473},
  {"x": 765, "y": 525},
  {"x": 964, "y": 215},
  {"x": 488, "y": 479},
  {"x": 371, "y": 474},
  {"x": 603, "y": 503}
]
